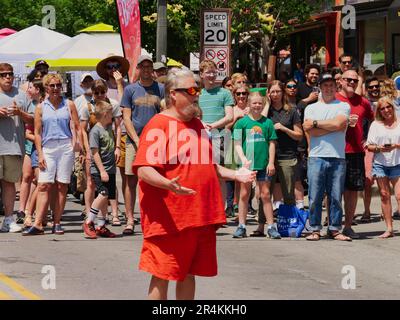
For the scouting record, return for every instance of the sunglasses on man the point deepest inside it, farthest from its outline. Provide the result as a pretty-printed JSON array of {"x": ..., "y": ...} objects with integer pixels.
[
  {"x": 5, "y": 74},
  {"x": 350, "y": 80},
  {"x": 192, "y": 91},
  {"x": 347, "y": 62},
  {"x": 375, "y": 86}
]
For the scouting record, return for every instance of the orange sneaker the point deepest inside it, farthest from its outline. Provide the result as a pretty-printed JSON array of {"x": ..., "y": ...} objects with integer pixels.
[
  {"x": 104, "y": 232},
  {"x": 89, "y": 230}
]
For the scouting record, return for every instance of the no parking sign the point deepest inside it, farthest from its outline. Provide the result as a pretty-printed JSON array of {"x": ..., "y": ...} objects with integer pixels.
[{"x": 216, "y": 39}]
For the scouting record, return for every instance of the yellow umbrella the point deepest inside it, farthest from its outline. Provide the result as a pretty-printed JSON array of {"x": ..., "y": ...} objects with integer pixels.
[{"x": 64, "y": 64}]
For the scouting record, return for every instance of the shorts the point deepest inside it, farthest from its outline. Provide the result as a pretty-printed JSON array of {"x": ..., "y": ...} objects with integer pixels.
[
  {"x": 130, "y": 153},
  {"x": 368, "y": 160},
  {"x": 106, "y": 189},
  {"x": 191, "y": 251},
  {"x": 11, "y": 168},
  {"x": 59, "y": 157},
  {"x": 262, "y": 176},
  {"x": 34, "y": 159},
  {"x": 355, "y": 172},
  {"x": 381, "y": 171},
  {"x": 121, "y": 162}
]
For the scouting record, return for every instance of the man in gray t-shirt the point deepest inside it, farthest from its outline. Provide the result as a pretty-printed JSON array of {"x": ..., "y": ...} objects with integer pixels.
[{"x": 13, "y": 113}]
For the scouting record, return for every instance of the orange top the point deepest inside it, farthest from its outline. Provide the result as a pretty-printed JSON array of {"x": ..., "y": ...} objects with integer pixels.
[{"x": 176, "y": 148}]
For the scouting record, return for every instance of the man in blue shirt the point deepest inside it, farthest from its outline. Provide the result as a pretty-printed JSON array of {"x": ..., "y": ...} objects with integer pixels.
[{"x": 140, "y": 102}]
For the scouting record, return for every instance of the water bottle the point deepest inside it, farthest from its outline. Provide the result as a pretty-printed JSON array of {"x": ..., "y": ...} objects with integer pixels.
[{"x": 292, "y": 233}]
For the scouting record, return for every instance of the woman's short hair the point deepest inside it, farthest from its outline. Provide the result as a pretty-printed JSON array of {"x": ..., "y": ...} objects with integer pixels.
[
  {"x": 381, "y": 101},
  {"x": 101, "y": 108},
  {"x": 52, "y": 76},
  {"x": 99, "y": 84},
  {"x": 240, "y": 86}
]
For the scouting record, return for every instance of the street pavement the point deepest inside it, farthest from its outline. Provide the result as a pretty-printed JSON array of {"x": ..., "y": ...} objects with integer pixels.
[{"x": 72, "y": 267}]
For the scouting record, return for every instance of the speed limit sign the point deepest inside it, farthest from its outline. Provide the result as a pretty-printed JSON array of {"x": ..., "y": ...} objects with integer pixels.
[{"x": 216, "y": 39}]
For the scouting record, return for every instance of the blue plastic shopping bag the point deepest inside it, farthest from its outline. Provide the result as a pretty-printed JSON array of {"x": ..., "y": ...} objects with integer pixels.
[{"x": 291, "y": 221}]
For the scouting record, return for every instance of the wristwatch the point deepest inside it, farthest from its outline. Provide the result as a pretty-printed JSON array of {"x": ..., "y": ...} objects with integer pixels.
[{"x": 315, "y": 124}]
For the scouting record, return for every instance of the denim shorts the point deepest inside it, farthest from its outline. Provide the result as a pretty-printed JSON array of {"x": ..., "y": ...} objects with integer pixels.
[
  {"x": 381, "y": 171},
  {"x": 262, "y": 176}
]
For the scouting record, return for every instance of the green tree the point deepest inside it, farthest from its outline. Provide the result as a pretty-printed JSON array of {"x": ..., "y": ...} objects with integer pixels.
[{"x": 252, "y": 21}]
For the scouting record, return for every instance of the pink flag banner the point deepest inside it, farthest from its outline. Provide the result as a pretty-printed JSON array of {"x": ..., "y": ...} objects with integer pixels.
[{"x": 129, "y": 21}]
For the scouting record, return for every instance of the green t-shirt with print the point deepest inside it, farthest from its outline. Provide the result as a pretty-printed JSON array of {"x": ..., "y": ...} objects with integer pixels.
[{"x": 255, "y": 136}]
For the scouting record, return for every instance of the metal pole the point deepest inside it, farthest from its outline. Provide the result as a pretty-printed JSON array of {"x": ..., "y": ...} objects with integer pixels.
[{"x": 161, "y": 49}]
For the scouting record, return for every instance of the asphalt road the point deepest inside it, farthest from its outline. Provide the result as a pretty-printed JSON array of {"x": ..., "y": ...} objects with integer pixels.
[{"x": 72, "y": 267}]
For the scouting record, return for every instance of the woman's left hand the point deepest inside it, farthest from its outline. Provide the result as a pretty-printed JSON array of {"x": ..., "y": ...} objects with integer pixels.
[{"x": 117, "y": 154}]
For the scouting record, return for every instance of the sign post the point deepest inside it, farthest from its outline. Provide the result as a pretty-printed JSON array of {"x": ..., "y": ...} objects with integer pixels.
[{"x": 216, "y": 39}]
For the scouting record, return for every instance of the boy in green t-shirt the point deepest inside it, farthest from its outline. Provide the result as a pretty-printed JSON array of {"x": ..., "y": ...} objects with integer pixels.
[{"x": 255, "y": 144}]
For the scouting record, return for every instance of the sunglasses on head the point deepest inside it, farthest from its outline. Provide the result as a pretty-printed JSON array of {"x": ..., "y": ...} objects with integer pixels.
[
  {"x": 192, "y": 91},
  {"x": 55, "y": 85},
  {"x": 375, "y": 86},
  {"x": 99, "y": 92},
  {"x": 291, "y": 86},
  {"x": 112, "y": 66},
  {"x": 350, "y": 80},
  {"x": 241, "y": 94},
  {"x": 5, "y": 74}
]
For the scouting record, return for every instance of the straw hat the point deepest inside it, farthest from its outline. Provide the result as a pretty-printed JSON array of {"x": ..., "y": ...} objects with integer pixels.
[{"x": 102, "y": 70}]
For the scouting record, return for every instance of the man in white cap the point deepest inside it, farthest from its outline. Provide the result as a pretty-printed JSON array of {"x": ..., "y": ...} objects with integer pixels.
[
  {"x": 140, "y": 102},
  {"x": 86, "y": 97},
  {"x": 160, "y": 69}
]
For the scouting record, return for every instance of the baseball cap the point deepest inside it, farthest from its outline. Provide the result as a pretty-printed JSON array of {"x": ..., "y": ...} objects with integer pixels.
[
  {"x": 326, "y": 77},
  {"x": 159, "y": 65},
  {"x": 144, "y": 58},
  {"x": 41, "y": 62},
  {"x": 86, "y": 74},
  {"x": 397, "y": 82}
]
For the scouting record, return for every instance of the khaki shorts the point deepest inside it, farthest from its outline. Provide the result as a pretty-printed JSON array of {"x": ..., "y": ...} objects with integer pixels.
[
  {"x": 121, "y": 162},
  {"x": 130, "y": 154},
  {"x": 10, "y": 168}
]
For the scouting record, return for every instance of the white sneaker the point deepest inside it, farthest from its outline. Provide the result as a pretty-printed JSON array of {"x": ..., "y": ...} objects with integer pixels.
[{"x": 10, "y": 226}]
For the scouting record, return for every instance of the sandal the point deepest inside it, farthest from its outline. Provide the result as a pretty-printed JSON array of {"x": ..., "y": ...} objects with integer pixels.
[
  {"x": 338, "y": 236},
  {"x": 315, "y": 236},
  {"x": 116, "y": 222},
  {"x": 33, "y": 231},
  {"x": 386, "y": 235},
  {"x": 28, "y": 221},
  {"x": 258, "y": 234},
  {"x": 365, "y": 218},
  {"x": 129, "y": 230}
]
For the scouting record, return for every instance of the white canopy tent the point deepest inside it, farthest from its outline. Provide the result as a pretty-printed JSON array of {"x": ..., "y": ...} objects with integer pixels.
[{"x": 29, "y": 44}]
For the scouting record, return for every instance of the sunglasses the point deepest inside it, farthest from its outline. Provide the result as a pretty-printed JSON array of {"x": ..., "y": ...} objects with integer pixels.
[
  {"x": 113, "y": 66},
  {"x": 5, "y": 74},
  {"x": 374, "y": 86},
  {"x": 192, "y": 91},
  {"x": 55, "y": 85},
  {"x": 241, "y": 94},
  {"x": 350, "y": 80},
  {"x": 291, "y": 86},
  {"x": 99, "y": 92},
  {"x": 347, "y": 62}
]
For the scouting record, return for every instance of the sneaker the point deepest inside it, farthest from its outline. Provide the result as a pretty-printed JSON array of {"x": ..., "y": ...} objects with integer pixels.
[
  {"x": 396, "y": 215},
  {"x": 273, "y": 233},
  {"x": 20, "y": 217},
  {"x": 10, "y": 226},
  {"x": 349, "y": 232},
  {"x": 229, "y": 213},
  {"x": 89, "y": 230},
  {"x": 236, "y": 208},
  {"x": 57, "y": 229},
  {"x": 104, "y": 232},
  {"x": 240, "y": 233}
]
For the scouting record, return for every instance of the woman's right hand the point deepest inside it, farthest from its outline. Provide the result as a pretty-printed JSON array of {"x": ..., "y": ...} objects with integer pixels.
[{"x": 42, "y": 162}]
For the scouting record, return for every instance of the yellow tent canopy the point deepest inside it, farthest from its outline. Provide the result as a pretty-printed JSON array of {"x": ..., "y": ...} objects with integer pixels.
[
  {"x": 100, "y": 27},
  {"x": 173, "y": 63},
  {"x": 64, "y": 64}
]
